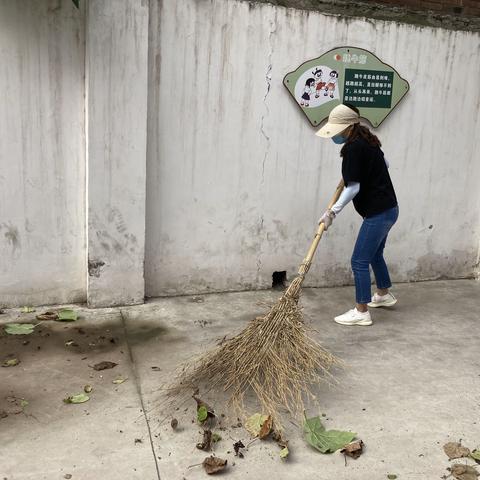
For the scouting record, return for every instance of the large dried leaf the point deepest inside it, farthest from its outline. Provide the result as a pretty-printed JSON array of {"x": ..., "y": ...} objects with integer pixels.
[
  {"x": 214, "y": 465},
  {"x": 325, "y": 441},
  {"x": 19, "y": 328},
  {"x": 455, "y": 450}
]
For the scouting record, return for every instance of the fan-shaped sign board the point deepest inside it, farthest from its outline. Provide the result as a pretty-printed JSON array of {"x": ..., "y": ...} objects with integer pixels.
[{"x": 346, "y": 75}]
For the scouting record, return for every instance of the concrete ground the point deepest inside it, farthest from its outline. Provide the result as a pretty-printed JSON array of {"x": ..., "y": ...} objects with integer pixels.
[{"x": 413, "y": 384}]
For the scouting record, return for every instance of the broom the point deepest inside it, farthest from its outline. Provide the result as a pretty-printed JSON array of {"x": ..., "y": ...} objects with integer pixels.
[{"x": 275, "y": 357}]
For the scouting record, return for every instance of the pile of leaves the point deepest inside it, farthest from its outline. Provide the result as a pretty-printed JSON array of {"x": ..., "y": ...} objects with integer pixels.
[{"x": 261, "y": 427}]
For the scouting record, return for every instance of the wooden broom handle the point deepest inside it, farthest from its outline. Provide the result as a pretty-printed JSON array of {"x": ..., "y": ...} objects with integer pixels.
[{"x": 321, "y": 227}]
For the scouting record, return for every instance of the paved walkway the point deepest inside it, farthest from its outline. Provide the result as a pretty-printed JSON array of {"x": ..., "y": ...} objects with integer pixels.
[{"x": 413, "y": 384}]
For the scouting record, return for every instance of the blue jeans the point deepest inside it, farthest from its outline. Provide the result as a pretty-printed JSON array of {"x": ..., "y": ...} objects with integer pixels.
[{"x": 369, "y": 251}]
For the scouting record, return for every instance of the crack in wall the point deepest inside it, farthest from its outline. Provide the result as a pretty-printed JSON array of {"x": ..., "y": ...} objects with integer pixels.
[{"x": 268, "y": 79}]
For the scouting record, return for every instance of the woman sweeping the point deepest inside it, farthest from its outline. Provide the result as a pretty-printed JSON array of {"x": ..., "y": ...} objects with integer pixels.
[{"x": 368, "y": 184}]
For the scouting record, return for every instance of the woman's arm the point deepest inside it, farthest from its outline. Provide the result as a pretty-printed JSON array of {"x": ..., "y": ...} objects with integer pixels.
[{"x": 346, "y": 197}]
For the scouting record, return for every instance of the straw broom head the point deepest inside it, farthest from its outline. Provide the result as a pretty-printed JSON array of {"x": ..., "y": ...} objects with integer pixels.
[{"x": 275, "y": 357}]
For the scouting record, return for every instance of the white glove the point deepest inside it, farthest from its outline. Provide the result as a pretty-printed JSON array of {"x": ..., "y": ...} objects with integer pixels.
[{"x": 327, "y": 219}]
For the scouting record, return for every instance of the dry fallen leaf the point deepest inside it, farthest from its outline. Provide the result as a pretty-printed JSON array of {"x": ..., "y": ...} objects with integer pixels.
[
  {"x": 119, "y": 380},
  {"x": 47, "y": 316},
  {"x": 214, "y": 465},
  {"x": 12, "y": 362},
  {"x": 104, "y": 365},
  {"x": 236, "y": 447},
  {"x": 455, "y": 450},
  {"x": 255, "y": 423},
  {"x": 266, "y": 428},
  {"x": 354, "y": 449},
  {"x": 463, "y": 472}
]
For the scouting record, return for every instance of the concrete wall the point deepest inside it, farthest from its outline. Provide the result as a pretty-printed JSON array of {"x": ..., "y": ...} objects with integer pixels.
[
  {"x": 117, "y": 47},
  {"x": 236, "y": 180},
  {"x": 42, "y": 153},
  {"x": 184, "y": 106}
]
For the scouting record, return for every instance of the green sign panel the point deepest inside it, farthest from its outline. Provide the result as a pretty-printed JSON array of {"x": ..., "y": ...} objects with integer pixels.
[{"x": 346, "y": 75}]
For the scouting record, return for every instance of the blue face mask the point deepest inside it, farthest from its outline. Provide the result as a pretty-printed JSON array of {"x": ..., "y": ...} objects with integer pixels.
[{"x": 339, "y": 139}]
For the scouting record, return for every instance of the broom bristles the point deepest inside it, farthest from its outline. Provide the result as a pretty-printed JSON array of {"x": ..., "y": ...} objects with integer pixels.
[{"x": 275, "y": 357}]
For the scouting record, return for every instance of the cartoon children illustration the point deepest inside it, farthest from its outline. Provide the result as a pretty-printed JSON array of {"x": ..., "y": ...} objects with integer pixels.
[
  {"x": 332, "y": 82},
  {"x": 307, "y": 91},
  {"x": 319, "y": 83}
]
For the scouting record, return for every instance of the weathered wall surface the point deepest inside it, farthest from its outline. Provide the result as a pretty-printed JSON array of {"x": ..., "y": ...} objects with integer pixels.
[
  {"x": 117, "y": 48},
  {"x": 42, "y": 164},
  {"x": 233, "y": 175},
  {"x": 236, "y": 179}
]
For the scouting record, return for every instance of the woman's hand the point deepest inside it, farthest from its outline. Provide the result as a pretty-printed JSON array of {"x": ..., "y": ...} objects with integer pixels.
[{"x": 327, "y": 219}]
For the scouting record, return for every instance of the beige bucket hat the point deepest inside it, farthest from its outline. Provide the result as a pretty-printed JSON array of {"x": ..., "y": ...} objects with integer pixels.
[{"x": 339, "y": 119}]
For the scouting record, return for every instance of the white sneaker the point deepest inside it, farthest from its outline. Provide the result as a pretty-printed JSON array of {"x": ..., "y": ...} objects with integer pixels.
[
  {"x": 387, "y": 300},
  {"x": 354, "y": 317}
]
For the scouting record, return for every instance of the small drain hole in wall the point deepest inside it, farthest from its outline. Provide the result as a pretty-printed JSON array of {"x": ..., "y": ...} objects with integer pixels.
[{"x": 279, "y": 279}]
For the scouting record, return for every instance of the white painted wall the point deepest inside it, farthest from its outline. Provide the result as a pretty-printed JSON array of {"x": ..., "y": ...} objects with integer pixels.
[
  {"x": 236, "y": 179},
  {"x": 42, "y": 164},
  {"x": 117, "y": 74}
]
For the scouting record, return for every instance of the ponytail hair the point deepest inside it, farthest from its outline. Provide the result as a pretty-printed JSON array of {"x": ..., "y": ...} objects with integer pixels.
[{"x": 360, "y": 131}]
